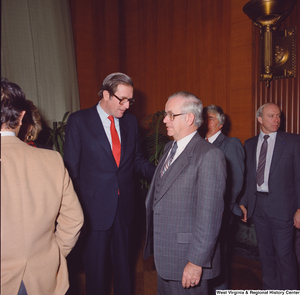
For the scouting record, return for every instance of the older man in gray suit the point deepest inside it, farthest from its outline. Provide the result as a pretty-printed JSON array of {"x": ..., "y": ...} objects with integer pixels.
[{"x": 184, "y": 205}]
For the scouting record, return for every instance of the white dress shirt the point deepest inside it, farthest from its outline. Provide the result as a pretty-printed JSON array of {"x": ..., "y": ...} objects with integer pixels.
[
  {"x": 181, "y": 145},
  {"x": 106, "y": 123}
]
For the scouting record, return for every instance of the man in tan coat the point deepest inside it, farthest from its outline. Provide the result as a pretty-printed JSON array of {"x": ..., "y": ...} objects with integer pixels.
[{"x": 41, "y": 216}]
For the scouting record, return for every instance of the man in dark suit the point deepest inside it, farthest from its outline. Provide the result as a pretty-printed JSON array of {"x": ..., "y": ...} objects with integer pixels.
[
  {"x": 214, "y": 119},
  {"x": 272, "y": 197},
  {"x": 184, "y": 204},
  {"x": 102, "y": 152}
]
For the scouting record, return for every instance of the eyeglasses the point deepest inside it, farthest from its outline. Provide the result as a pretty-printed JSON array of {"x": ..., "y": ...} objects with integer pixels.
[
  {"x": 124, "y": 100},
  {"x": 172, "y": 116}
]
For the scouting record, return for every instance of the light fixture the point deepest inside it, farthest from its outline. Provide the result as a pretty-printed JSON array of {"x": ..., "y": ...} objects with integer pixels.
[{"x": 278, "y": 57}]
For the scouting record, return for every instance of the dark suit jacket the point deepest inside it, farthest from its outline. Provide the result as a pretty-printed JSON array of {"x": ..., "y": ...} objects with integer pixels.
[
  {"x": 284, "y": 177},
  {"x": 235, "y": 157},
  {"x": 184, "y": 210},
  {"x": 97, "y": 179}
]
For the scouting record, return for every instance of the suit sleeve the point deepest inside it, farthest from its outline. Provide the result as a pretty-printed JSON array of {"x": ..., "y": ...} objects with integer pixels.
[
  {"x": 244, "y": 196},
  {"x": 211, "y": 183},
  {"x": 141, "y": 164},
  {"x": 70, "y": 217},
  {"x": 72, "y": 150},
  {"x": 236, "y": 169}
]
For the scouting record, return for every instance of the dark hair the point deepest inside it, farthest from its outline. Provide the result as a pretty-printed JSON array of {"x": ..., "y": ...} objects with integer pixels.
[
  {"x": 31, "y": 123},
  {"x": 112, "y": 81},
  {"x": 13, "y": 102}
]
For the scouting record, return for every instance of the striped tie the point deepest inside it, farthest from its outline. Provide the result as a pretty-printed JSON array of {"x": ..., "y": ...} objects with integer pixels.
[
  {"x": 262, "y": 161},
  {"x": 169, "y": 159}
]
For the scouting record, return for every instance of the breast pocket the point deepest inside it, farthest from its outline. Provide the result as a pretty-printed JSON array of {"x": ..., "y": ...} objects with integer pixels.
[{"x": 184, "y": 238}]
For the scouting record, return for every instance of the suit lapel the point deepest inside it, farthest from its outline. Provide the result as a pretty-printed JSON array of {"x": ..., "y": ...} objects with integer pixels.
[
  {"x": 219, "y": 140},
  {"x": 124, "y": 136},
  {"x": 177, "y": 166},
  {"x": 98, "y": 130},
  {"x": 278, "y": 149}
]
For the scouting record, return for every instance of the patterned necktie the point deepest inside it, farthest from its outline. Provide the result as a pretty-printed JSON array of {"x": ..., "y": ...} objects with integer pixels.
[
  {"x": 169, "y": 159},
  {"x": 116, "y": 145},
  {"x": 262, "y": 161}
]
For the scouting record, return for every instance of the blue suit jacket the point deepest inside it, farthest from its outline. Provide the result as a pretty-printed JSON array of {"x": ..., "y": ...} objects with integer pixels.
[
  {"x": 95, "y": 174},
  {"x": 284, "y": 177},
  {"x": 235, "y": 157}
]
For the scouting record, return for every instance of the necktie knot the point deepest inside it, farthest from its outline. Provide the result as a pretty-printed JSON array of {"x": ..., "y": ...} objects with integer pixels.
[
  {"x": 266, "y": 137},
  {"x": 112, "y": 120}
]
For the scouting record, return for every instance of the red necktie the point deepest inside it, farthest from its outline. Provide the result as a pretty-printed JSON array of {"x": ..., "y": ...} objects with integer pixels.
[{"x": 116, "y": 145}]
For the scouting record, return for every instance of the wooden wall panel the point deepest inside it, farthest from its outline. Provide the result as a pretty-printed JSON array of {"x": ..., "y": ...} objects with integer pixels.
[
  {"x": 200, "y": 46},
  {"x": 240, "y": 99},
  {"x": 204, "y": 47},
  {"x": 284, "y": 92},
  {"x": 96, "y": 36},
  {"x": 177, "y": 45}
]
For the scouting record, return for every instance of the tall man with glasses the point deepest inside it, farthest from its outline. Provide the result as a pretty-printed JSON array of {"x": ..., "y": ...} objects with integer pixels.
[
  {"x": 272, "y": 197},
  {"x": 185, "y": 203},
  {"x": 102, "y": 153}
]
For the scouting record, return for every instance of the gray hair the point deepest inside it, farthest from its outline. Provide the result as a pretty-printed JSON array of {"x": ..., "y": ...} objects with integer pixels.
[
  {"x": 260, "y": 109},
  {"x": 192, "y": 104},
  {"x": 112, "y": 81},
  {"x": 218, "y": 111}
]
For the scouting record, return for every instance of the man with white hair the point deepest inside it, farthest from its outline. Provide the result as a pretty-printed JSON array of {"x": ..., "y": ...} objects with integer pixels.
[{"x": 184, "y": 205}]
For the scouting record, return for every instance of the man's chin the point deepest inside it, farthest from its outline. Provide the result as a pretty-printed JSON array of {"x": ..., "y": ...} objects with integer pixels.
[{"x": 120, "y": 114}]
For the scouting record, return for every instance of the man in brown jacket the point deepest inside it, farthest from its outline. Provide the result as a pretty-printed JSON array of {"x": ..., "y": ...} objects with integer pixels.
[{"x": 41, "y": 216}]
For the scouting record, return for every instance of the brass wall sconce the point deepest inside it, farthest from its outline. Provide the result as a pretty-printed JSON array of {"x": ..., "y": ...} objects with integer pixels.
[{"x": 278, "y": 49}]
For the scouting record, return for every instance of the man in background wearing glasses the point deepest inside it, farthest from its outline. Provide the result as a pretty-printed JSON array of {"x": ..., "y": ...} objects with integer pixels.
[
  {"x": 185, "y": 203},
  {"x": 102, "y": 152}
]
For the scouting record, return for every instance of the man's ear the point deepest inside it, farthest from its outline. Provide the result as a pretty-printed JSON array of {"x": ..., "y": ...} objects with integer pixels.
[
  {"x": 259, "y": 120},
  {"x": 21, "y": 117},
  {"x": 106, "y": 95},
  {"x": 190, "y": 118}
]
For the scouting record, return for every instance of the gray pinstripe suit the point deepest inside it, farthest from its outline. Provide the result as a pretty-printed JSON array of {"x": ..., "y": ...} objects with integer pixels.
[{"x": 184, "y": 211}]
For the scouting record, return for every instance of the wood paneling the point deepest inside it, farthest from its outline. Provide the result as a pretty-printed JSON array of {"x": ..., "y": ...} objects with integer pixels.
[
  {"x": 206, "y": 47},
  {"x": 96, "y": 36},
  {"x": 203, "y": 47}
]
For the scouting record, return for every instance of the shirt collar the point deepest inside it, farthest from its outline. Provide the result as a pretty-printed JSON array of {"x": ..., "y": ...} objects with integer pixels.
[
  {"x": 7, "y": 133},
  {"x": 183, "y": 142},
  {"x": 272, "y": 135},
  {"x": 214, "y": 137}
]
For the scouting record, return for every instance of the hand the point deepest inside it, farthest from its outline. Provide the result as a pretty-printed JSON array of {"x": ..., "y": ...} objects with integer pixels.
[
  {"x": 244, "y": 210},
  {"x": 297, "y": 219},
  {"x": 191, "y": 275}
]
